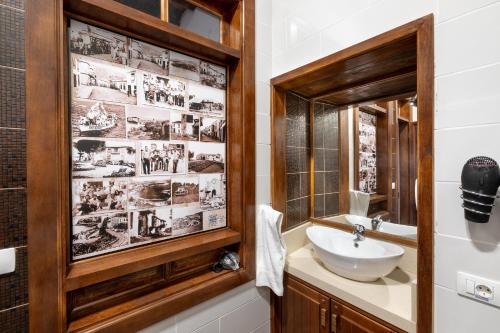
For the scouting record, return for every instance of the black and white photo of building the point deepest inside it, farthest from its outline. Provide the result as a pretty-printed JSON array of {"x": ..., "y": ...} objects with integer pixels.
[
  {"x": 207, "y": 100},
  {"x": 184, "y": 127},
  {"x": 213, "y": 130},
  {"x": 92, "y": 235},
  {"x": 92, "y": 197},
  {"x": 186, "y": 220},
  {"x": 94, "y": 79},
  {"x": 97, "y": 43},
  {"x": 185, "y": 190},
  {"x": 206, "y": 157},
  {"x": 150, "y": 225},
  {"x": 212, "y": 75},
  {"x": 163, "y": 91},
  {"x": 147, "y": 57},
  {"x": 146, "y": 123},
  {"x": 212, "y": 191},
  {"x": 162, "y": 158},
  {"x": 184, "y": 66},
  {"x": 214, "y": 219},
  {"x": 149, "y": 193},
  {"x": 99, "y": 158},
  {"x": 97, "y": 119}
]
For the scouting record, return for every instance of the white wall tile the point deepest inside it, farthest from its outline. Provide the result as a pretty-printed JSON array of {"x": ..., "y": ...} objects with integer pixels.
[
  {"x": 263, "y": 160},
  {"x": 263, "y": 190},
  {"x": 452, "y": 8},
  {"x": 456, "y": 254},
  {"x": 265, "y": 328},
  {"x": 164, "y": 326},
  {"x": 457, "y": 314},
  {"x": 263, "y": 124},
  {"x": 262, "y": 67},
  {"x": 212, "y": 327},
  {"x": 263, "y": 97},
  {"x": 263, "y": 38},
  {"x": 208, "y": 311},
  {"x": 301, "y": 54},
  {"x": 246, "y": 318},
  {"x": 468, "y": 98},
  {"x": 450, "y": 221},
  {"x": 468, "y": 42},
  {"x": 263, "y": 11},
  {"x": 453, "y": 147}
]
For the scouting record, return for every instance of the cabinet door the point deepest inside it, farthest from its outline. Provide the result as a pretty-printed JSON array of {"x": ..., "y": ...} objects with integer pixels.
[
  {"x": 346, "y": 320},
  {"x": 304, "y": 309}
]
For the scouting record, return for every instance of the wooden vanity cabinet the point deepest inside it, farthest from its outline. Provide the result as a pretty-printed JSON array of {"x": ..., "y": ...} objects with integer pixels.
[{"x": 307, "y": 310}]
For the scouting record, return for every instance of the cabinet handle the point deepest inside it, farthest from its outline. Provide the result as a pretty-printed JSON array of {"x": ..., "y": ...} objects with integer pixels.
[
  {"x": 323, "y": 317},
  {"x": 334, "y": 323}
]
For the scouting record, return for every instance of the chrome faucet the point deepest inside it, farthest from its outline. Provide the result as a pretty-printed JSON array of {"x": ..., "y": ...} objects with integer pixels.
[
  {"x": 359, "y": 233},
  {"x": 377, "y": 222}
]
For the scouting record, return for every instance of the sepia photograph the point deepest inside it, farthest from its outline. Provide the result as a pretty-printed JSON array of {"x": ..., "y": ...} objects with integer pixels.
[
  {"x": 206, "y": 100},
  {"x": 184, "y": 66},
  {"x": 149, "y": 193},
  {"x": 97, "y": 43},
  {"x": 97, "y": 80},
  {"x": 162, "y": 158},
  {"x": 146, "y": 123},
  {"x": 212, "y": 75},
  {"x": 186, "y": 220},
  {"x": 163, "y": 91},
  {"x": 206, "y": 157},
  {"x": 214, "y": 219},
  {"x": 147, "y": 57},
  {"x": 92, "y": 235},
  {"x": 150, "y": 225},
  {"x": 184, "y": 127},
  {"x": 185, "y": 190},
  {"x": 98, "y": 196},
  {"x": 212, "y": 130},
  {"x": 99, "y": 158},
  {"x": 97, "y": 119},
  {"x": 212, "y": 191}
]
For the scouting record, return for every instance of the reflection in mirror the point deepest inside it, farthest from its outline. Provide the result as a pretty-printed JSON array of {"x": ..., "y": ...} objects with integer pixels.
[{"x": 379, "y": 165}]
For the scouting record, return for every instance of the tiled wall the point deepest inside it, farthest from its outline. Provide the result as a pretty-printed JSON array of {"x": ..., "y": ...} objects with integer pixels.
[
  {"x": 326, "y": 160},
  {"x": 467, "y": 118},
  {"x": 14, "y": 286},
  {"x": 298, "y": 155}
]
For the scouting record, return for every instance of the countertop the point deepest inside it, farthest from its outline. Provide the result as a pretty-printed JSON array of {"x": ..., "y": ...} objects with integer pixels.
[{"x": 391, "y": 298}]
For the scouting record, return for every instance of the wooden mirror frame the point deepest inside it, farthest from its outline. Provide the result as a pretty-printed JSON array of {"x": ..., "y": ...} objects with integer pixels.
[
  {"x": 389, "y": 85},
  {"x": 180, "y": 267}
]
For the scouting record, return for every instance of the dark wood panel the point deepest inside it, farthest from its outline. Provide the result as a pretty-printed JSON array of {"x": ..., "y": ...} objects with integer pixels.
[
  {"x": 118, "y": 16},
  {"x": 344, "y": 162},
  {"x": 346, "y": 320},
  {"x": 304, "y": 309}
]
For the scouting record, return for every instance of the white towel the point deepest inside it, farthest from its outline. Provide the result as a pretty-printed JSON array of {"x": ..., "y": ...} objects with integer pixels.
[
  {"x": 271, "y": 250},
  {"x": 359, "y": 202}
]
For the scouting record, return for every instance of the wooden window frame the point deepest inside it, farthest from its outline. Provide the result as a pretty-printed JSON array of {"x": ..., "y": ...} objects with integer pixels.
[
  {"x": 51, "y": 274},
  {"x": 305, "y": 79}
]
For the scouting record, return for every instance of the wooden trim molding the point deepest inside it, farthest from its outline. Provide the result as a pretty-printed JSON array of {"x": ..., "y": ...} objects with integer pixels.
[
  {"x": 361, "y": 59},
  {"x": 179, "y": 269}
]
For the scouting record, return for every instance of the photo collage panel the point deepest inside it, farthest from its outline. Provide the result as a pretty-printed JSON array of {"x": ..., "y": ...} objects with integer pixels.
[
  {"x": 367, "y": 152},
  {"x": 148, "y": 152}
]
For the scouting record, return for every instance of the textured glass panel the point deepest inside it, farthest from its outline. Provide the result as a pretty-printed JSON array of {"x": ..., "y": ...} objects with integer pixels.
[
  {"x": 151, "y": 7},
  {"x": 196, "y": 19}
]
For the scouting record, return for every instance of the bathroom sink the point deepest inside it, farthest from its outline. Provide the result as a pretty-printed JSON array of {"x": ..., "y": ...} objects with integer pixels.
[
  {"x": 406, "y": 231},
  {"x": 370, "y": 260}
]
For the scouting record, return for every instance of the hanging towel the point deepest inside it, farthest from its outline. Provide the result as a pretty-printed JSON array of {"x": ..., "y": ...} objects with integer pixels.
[
  {"x": 359, "y": 202},
  {"x": 271, "y": 250}
]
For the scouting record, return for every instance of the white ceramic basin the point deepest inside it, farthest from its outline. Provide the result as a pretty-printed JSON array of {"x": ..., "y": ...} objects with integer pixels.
[
  {"x": 369, "y": 261},
  {"x": 406, "y": 231}
]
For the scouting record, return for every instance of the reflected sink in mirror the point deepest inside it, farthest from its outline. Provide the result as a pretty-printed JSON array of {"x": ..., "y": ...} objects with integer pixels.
[
  {"x": 387, "y": 227},
  {"x": 367, "y": 261}
]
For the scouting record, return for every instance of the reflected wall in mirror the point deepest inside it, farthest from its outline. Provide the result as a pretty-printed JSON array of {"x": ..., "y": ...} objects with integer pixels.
[{"x": 379, "y": 165}]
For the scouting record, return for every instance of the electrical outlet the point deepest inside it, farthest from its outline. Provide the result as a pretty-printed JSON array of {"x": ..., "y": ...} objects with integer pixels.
[{"x": 478, "y": 288}]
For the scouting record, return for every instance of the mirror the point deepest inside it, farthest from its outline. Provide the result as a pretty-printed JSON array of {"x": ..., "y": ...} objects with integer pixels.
[{"x": 365, "y": 159}]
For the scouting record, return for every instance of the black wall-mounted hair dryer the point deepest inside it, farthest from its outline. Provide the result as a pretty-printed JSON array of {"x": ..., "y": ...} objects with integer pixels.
[{"x": 480, "y": 182}]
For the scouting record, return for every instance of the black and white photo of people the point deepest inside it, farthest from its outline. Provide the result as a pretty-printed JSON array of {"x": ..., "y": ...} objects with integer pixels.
[{"x": 148, "y": 135}]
